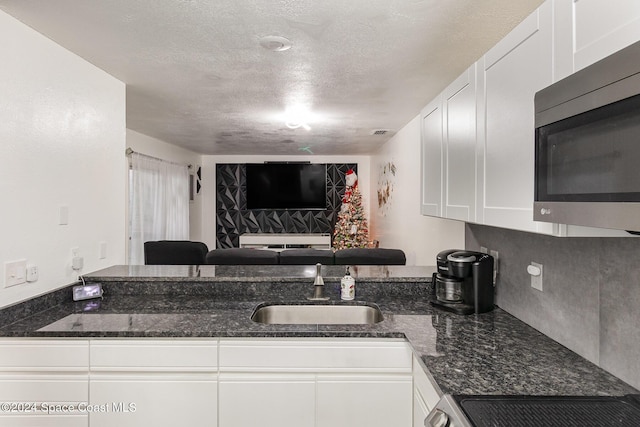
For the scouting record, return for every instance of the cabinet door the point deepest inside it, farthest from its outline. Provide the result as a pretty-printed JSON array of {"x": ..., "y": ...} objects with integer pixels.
[
  {"x": 420, "y": 409},
  {"x": 449, "y": 151},
  {"x": 44, "y": 371},
  {"x": 364, "y": 400},
  {"x": 459, "y": 122},
  {"x": 423, "y": 388},
  {"x": 160, "y": 400},
  {"x": 432, "y": 159},
  {"x": 153, "y": 382},
  {"x": 509, "y": 76},
  {"x": 267, "y": 400},
  {"x": 589, "y": 30}
]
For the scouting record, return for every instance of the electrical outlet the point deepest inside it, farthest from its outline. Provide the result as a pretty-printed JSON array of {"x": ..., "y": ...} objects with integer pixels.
[
  {"x": 103, "y": 250},
  {"x": 484, "y": 250},
  {"x": 77, "y": 262},
  {"x": 496, "y": 264},
  {"x": 32, "y": 273},
  {"x": 535, "y": 270},
  {"x": 63, "y": 215}
]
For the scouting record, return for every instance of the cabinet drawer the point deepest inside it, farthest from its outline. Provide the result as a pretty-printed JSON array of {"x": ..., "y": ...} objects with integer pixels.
[
  {"x": 43, "y": 355},
  {"x": 44, "y": 421},
  {"x": 154, "y": 355},
  {"x": 43, "y": 388},
  {"x": 315, "y": 355}
]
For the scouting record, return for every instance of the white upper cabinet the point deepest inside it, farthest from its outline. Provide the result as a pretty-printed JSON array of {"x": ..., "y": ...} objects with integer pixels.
[
  {"x": 459, "y": 132},
  {"x": 589, "y": 30},
  {"x": 432, "y": 153},
  {"x": 478, "y": 137},
  {"x": 509, "y": 75},
  {"x": 448, "y": 151}
]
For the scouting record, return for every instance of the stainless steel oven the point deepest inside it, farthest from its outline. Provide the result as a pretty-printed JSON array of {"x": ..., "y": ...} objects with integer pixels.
[
  {"x": 587, "y": 152},
  {"x": 535, "y": 411}
]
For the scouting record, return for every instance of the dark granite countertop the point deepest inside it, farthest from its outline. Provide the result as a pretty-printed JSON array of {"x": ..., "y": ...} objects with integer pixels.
[{"x": 490, "y": 353}]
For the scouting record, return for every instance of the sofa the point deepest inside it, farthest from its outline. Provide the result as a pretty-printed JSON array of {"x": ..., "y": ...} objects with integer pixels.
[
  {"x": 370, "y": 256},
  {"x": 242, "y": 256},
  {"x": 306, "y": 256},
  {"x": 175, "y": 252}
]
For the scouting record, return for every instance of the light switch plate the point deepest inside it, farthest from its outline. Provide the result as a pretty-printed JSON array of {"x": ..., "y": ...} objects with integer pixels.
[{"x": 15, "y": 272}]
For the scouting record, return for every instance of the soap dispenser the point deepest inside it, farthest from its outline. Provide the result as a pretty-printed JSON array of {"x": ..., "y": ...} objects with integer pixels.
[{"x": 347, "y": 286}]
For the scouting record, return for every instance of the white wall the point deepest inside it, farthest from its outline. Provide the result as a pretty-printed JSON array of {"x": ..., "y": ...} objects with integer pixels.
[
  {"x": 209, "y": 182},
  {"x": 150, "y": 146},
  {"x": 62, "y": 141},
  {"x": 398, "y": 223}
]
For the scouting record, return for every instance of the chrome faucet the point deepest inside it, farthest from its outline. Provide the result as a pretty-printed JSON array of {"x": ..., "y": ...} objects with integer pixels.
[{"x": 318, "y": 286}]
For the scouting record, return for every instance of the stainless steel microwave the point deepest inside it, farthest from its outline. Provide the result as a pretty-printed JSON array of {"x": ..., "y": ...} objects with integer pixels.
[{"x": 587, "y": 146}]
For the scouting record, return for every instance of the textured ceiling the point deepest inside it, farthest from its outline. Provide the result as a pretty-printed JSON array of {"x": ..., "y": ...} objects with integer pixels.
[{"x": 197, "y": 76}]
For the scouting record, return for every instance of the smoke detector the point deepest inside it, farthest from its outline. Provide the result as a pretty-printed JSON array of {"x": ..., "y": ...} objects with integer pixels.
[{"x": 275, "y": 43}]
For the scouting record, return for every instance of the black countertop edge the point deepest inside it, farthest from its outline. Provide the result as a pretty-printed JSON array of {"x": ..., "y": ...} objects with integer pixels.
[
  {"x": 200, "y": 334},
  {"x": 104, "y": 279}
]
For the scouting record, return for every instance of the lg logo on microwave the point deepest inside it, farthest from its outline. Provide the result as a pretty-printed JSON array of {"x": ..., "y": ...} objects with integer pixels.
[{"x": 545, "y": 211}]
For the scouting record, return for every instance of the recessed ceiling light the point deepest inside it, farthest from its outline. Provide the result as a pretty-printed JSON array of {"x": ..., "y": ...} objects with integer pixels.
[
  {"x": 298, "y": 116},
  {"x": 275, "y": 43}
]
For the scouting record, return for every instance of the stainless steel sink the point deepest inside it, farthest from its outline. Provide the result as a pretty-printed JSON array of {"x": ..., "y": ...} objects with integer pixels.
[{"x": 317, "y": 314}]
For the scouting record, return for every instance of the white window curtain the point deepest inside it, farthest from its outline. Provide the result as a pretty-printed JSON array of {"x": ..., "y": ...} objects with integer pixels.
[{"x": 158, "y": 203}]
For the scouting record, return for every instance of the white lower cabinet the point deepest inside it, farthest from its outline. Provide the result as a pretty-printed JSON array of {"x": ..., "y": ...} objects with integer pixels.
[
  {"x": 153, "y": 382},
  {"x": 133, "y": 400},
  {"x": 425, "y": 395},
  {"x": 420, "y": 409},
  {"x": 43, "y": 421},
  {"x": 227, "y": 382},
  {"x": 267, "y": 399},
  {"x": 321, "y": 383},
  {"x": 50, "y": 373},
  {"x": 363, "y": 400}
]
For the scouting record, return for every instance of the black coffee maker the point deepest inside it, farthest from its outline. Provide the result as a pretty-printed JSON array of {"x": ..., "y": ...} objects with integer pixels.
[{"x": 463, "y": 283}]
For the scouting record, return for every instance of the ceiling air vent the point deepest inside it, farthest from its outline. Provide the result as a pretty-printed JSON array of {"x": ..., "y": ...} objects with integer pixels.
[{"x": 379, "y": 131}]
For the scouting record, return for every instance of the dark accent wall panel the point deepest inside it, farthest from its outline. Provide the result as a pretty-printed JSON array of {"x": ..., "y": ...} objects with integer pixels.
[{"x": 233, "y": 218}]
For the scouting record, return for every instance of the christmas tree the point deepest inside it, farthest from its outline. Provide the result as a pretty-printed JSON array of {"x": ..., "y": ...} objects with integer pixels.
[{"x": 351, "y": 228}]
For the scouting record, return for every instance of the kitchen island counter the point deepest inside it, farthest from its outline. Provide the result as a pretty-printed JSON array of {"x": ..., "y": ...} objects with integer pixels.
[{"x": 490, "y": 353}]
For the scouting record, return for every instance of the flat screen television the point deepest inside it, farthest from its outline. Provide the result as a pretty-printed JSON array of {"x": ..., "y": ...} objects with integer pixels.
[{"x": 286, "y": 186}]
